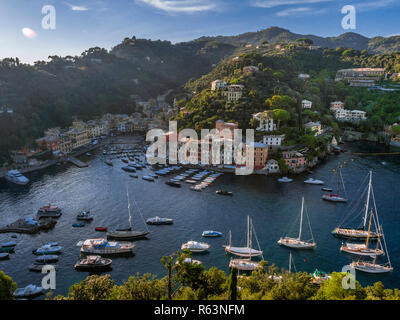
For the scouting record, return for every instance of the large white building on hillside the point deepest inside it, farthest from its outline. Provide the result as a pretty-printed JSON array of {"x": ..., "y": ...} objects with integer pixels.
[{"x": 266, "y": 123}]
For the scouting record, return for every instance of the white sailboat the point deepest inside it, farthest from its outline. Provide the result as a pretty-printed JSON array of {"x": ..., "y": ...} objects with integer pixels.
[
  {"x": 248, "y": 251},
  {"x": 360, "y": 233},
  {"x": 297, "y": 243},
  {"x": 336, "y": 197}
]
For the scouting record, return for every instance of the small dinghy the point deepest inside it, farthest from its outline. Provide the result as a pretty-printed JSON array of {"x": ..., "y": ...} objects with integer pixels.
[
  {"x": 103, "y": 229},
  {"x": 8, "y": 244},
  {"x": 211, "y": 233},
  {"x": 85, "y": 216},
  {"x": 285, "y": 179},
  {"x": 48, "y": 249},
  {"x": 134, "y": 176},
  {"x": 38, "y": 266},
  {"x": 223, "y": 192},
  {"x": 313, "y": 181},
  {"x": 29, "y": 291},
  {"x": 47, "y": 258},
  {"x": 79, "y": 225},
  {"x": 173, "y": 183},
  {"x": 327, "y": 189},
  {"x": 93, "y": 263},
  {"x": 159, "y": 221},
  {"x": 128, "y": 169},
  {"x": 4, "y": 255},
  {"x": 148, "y": 178},
  {"x": 6, "y": 249}
]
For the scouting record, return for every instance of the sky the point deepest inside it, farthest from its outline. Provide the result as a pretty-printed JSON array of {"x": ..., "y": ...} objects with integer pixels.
[{"x": 81, "y": 24}]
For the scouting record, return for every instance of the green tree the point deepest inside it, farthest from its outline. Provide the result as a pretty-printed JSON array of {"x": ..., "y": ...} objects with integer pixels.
[
  {"x": 233, "y": 284},
  {"x": 7, "y": 287}
]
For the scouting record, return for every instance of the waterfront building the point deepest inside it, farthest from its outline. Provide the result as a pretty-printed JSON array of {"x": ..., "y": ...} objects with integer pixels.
[
  {"x": 294, "y": 160},
  {"x": 273, "y": 166},
  {"x": 266, "y": 121},
  {"x": 260, "y": 152},
  {"x": 314, "y": 127},
  {"x": 78, "y": 136},
  {"x": 273, "y": 141},
  {"x": 306, "y": 104},
  {"x": 50, "y": 141},
  {"x": 233, "y": 92},
  {"x": 218, "y": 84}
]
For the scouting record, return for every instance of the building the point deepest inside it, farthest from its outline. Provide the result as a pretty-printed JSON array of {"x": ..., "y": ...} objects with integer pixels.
[
  {"x": 220, "y": 125},
  {"x": 314, "y": 127},
  {"x": 266, "y": 121},
  {"x": 350, "y": 115},
  {"x": 294, "y": 160},
  {"x": 273, "y": 166},
  {"x": 218, "y": 84},
  {"x": 250, "y": 69},
  {"x": 304, "y": 76},
  {"x": 273, "y": 141},
  {"x": 51, "y": 140},
  {"x": 78, "y": 136},
  {"x": 395, "y": 76},
  {"x": 336, "y": 105},
  {"x": 260, "y": 151},
  {"x": 306, "y": 104},
  {"x": 233, "y": 92},
  {"x": 360, "y": 77},
  {"x": 358, "y": 115}
]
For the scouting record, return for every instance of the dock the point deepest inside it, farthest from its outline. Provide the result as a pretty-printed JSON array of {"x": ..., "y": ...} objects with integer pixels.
[{"x": 77, "y": 162}]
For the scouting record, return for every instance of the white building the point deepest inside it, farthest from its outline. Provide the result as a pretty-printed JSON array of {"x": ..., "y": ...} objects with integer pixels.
[
  {"x": 273, "y": 141},
  {"x": 314, "y": 127},
  {"x": 218, "y": 84},
  {"x": 304, "y": 76},
  {"x": 350, "y": 115},
  {"x": 266, "y": 123},
  {"x": 306, "y": 104},
  {"x": 273, "y": 166},
  {"x": 233, "y": 92},
  {"x": 358, "y": 115}
]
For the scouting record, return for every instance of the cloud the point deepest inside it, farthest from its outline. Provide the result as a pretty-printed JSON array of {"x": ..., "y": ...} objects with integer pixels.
[
  {"x": 298, "y": 11},
  {"x": 29, "y": 33},
  {"x": 365, "y": 6},
  {"x": 77, "y": 8},
  {"x": 276, "y": 3},
  {"x": 184, "y": 6}
]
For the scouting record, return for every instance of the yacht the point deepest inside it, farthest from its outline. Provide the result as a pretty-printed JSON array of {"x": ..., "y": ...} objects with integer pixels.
[
  {"x": 244, "y": 264},
  {"x": 104, "y": 247},
  {"x": 49, "y": 211},
  {"x": 29, "y": 291},
  {"x": 85, "y": 215},
  {"x": 48, "y": 249},
  {"x": 148, "y": 178},
  {"x": 195, "y": 246},
  {"x": 16, "y": 177},
  {"x": 211, "y": 233},
  {"x": 285, "y": 179},
  {"x": 158, "y": 221}
]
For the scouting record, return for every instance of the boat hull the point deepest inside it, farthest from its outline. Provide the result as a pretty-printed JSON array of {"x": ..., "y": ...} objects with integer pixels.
[
  {"x": 332, "y": 198},
  {"x": 243, "y": 252},
  {"x": 244, "y": 265},
  {"x": 354, "y": 234},
  {"x": 296, "y": 244},
  {"x": 370, "y": 268},
  {"x": 127, "y": 235}
]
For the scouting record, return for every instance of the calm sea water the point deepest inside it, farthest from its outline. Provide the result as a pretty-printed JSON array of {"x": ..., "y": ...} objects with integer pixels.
[{"x": 274, "y": 208}]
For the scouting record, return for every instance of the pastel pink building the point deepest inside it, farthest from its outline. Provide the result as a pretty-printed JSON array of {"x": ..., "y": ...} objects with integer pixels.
[{"x": 294, "y": 160}]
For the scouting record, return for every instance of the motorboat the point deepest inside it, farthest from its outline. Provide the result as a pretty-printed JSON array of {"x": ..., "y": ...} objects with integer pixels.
[
  {"x": 93, "y": 263},
  {"x": 297, "y": 243},
  {"x": 16, "y": 177},
  {"x": 8, "y": 244},
  {"x": 47, "y": 258},
  {"x": 128, "y": 169},
  {"x": 79, "y": 225},
  {"x": 158, "y": 221},
  {"x": 195, "y": 188},
  {"x": 103, "y": 229},
  {"x": 7, "y": 249},
  {"x": 195, "y": 247},
  {"x": 244, "y": 264},
  {"x": 134, "y": 176},
  {"x": 49, "y": 211},
  {"x": 85, "y": 216},
  {"x": 327, "y": 189},
  {"x": 211, "y": 233},
  {"x": 225, "y": 193},
  {"x": 30, "y": 291},
  {"x": 285, "y": 179},
  {"x": 313, "y": 181},
  {"x": 333, "y": 197},
  {"x": 4, "y": 255},
  {"x": 104, "y": 247},
  {"x": 48, "y": 249},
  {"x": 173, "y": 183},
  {"x": 37, "y": 266},
  {"x": 148, "y": 178}
]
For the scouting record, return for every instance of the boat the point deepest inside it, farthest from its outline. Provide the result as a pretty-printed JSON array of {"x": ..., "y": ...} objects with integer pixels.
[
  {"x": 195, "y": 247},
  {"x": 148, "y": 178},
  {"x": 4, "y": 255},
  {"x": 104, "y": 229},
  {"x": 173, "y": 183},
  {"x": 195, "y": 188},
  {"x": 127, "y": 234},
  {"x": 49, "y": 211},
  {"x": 225, "y": 193},
  {"x": 298, "y": 243},
  {"x": 47, "y": 258},
  {"x": 30, "y": 291},
  {"x": 371, "y": 267},
  {"x": 8, "y": 244},
  {"x": 362, "y": 249},
  {"x": 336, "y": 197},
  {"x": 244, "y": 264},
  {"x": 85, "y": 216},
  {"x": 6, "y": 249},
  {"x": 246, "y": 251},
  {"x": 327, "y": 189},
  {"x": 128, "y": 169},
  {"x": 109, "y": 163},
  {"x": 313, "y": 181},
  {"x": 319, "y": 276},
  {"x": 158, "y": 221},
  {"x": 93, "y": 263},
  {"x": 190, "y": 181},
  {"x": 37, "y": 266},
  {"x": 125, "y": 160},
  {"x": 88, "y": 154},
  {"x": 104, "y": 247},
  {"x": 285, "y": 179},
  {"x": 211, "y": 233},
  {"x": 134, "y": 176},
  {"x": 48, "y": 249},
  {"x": 78, "y": 225},
  {"x": 16, "y": 177},
  {"x": 359, "y": 233}
]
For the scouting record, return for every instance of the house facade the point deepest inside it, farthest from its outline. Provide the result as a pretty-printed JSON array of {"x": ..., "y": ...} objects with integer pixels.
[
  {"x": 306, "y": 104},
  {"x": 266, "y": 122}
]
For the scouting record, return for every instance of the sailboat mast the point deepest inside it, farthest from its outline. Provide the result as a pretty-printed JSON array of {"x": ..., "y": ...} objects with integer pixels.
[
  {"x": 129, "y": 207},
  {"x": 301, "y": 216},
  {"x": 367, "y": 203},
  {"x": 369, "y": 230},
  {"x": 251, "y": 236},
  {"x": 248, "y": 231}
]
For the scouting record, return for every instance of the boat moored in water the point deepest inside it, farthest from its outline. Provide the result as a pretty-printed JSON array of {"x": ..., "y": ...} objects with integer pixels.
[
  {"x": 159, "y": 221},
  {"x": 16, "y": 177},
  {"x": 211, "y": 233},
  {"x": 93, "y": 263},
  {"x": 313, "y": 181},
  {"x": 85, "y": 216},
  {"x": 195, "y": 247},
  {"x": 285, "y": 179},
  {"x": 48, "y": 249},
  {"x": 49, "y": 211},
  {"x": 223, "y": 192},
  {"x": 104, "y": 247},
  {"x": 47, "y": 258},
  {"x": 173, "y": 183},
  {"x": 30, "y": 291},
  {"x": 244, "y": 264},
  {"x": 4, "y": 255}
]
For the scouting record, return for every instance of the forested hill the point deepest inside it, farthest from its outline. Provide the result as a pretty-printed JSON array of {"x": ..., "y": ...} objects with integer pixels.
[{"x": 347, "y": 40}]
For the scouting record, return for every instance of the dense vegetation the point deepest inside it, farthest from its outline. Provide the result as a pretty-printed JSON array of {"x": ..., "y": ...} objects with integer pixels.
[{"x": 185, "y": 281}]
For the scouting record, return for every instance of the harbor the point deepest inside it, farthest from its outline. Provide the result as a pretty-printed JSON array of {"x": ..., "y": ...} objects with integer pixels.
[{"x": 272, "y": 206}]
